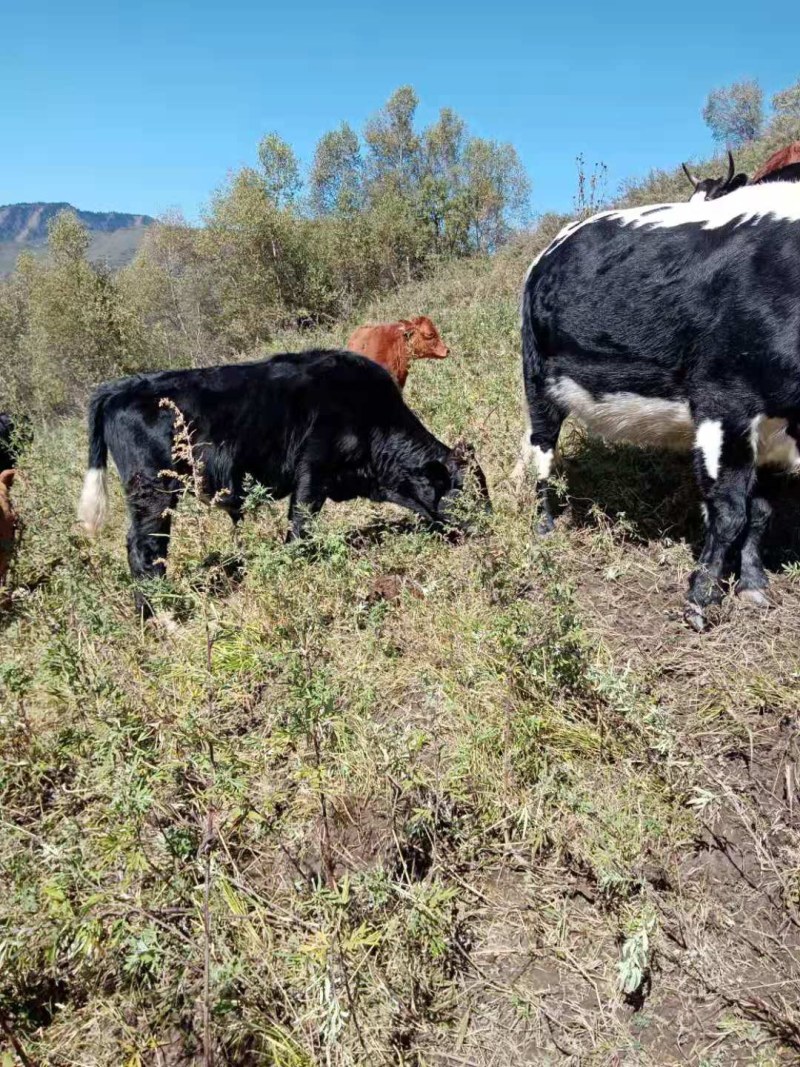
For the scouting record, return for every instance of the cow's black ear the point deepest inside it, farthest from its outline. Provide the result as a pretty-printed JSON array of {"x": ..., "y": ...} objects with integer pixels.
[
  {"x": 438, "y": 475},
  {"x": 737, "y": 182}
]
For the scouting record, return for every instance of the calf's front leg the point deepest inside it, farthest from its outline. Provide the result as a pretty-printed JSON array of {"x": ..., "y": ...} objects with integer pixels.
[
  {"x": 306, "y": 502},
  {"x": 725, "y": 468}
]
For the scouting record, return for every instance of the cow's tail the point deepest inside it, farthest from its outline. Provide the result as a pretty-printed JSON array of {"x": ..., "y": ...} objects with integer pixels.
[
  {"x": 93, "y": 504},
  {"x": 532, "y": 375},
  {"x": 532, "y": 363}
]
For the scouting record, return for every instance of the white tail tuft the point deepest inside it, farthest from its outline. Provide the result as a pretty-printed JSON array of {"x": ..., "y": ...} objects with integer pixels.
[{"x": 92, "y": 505}]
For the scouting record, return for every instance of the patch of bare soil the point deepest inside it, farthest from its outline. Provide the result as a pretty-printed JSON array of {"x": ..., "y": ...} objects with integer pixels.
[{"x": 728, "y": 908}]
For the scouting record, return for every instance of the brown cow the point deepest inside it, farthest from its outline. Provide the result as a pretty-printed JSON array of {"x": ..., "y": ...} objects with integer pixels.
[
  {"x": 395, "y": 344},
  {"x": 8, "y": 524},
  {"x": 784, "y": 157}
]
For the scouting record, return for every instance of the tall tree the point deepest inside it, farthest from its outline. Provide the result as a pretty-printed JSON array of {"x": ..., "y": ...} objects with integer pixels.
[
  {"x": 496, "y": 191},
  {"x": 281, "y": 171},
  {"x": 336, "y": 180},
  {"x": 67, "y": 238},
  {"x": 394, "y": 147},
  {"x": 787, "y": 102},
  {"x": 735, "y": 113}
]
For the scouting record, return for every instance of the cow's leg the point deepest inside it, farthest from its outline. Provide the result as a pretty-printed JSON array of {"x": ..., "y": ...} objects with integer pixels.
[
  {"x": 725, "y": 467},
  {"x": 306, "y": 501},
  {"x": 231, "y": 503},
  {"x": 538, "y": 450},
  {"x": 752, "y": 576},
  {"x": 150, "y": 506}
]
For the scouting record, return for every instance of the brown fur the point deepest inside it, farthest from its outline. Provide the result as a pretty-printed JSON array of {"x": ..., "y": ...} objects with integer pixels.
[
  {"x": 8, "y": 524},
  {"x": 395, "y": 344},
  {"x": 784, "y": 157}
]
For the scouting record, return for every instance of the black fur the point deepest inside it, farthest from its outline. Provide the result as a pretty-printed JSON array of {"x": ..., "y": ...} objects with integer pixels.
[
  {"x": 707, "y": 316},
  {"x": 15, "y": 433},
  {"x": 312, "y": 426}
]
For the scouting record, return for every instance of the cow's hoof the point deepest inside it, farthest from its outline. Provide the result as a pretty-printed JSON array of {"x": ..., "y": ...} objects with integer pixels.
[
  {"x": 755, "y": 598},
  {"x": 694, "y": 616}
]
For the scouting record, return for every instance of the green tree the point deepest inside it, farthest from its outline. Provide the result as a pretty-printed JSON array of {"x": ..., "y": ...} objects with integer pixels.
[
  {"x": 496, "y": 191},
  {"x": 336, "y": 180},
  {"x": 77, "y": 330},
  {"x": 170, "y": 289},
  {"x": 67, "y": 239},
  {"x": 735, "y": 113},
  {"x": 787, "y": 102},
  {"x": 281, "y": 171},
  {"x": 394, "y": 157}
]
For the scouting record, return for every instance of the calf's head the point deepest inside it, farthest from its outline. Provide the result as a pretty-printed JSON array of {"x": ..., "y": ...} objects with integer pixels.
[
  {"x": 435, "y": 488},
  {"x": 714, "y": 188},
  {"x": 423, "y": 339}
]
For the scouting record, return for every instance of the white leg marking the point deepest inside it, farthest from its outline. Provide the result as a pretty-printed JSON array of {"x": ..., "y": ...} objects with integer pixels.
[
  {"x": 708, "y": 441},
  {"x": 94, "y": 499},
  {"x": 544, "y": 461}
]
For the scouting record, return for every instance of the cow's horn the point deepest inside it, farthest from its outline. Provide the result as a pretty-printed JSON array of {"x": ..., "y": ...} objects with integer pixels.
[
  {"x": 731, "y": 165},
  {"x": 695, "y": 181}
]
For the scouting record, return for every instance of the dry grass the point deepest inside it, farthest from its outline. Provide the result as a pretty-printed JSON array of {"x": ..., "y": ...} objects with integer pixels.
[{"x": 390, "y": 800}]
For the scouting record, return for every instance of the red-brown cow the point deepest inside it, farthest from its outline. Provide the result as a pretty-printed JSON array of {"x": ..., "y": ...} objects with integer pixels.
[
  {"x": 784, "y": 157},
  {"x": 8, "y": 524},
  {"x": 395, "y": 344}
]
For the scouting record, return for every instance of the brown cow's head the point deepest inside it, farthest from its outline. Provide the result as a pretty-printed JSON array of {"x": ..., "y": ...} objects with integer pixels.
[{"x": 423, "y": 339}]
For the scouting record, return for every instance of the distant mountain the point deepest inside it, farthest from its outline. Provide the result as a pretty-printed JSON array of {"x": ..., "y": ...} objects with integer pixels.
[{"x": 115, "y": 235}]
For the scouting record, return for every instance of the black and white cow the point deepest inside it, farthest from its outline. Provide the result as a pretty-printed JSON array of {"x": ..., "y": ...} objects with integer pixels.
[
  {"x": 313, "y": 426},
  {"x": 782, "y": 166},
  {"x": 676, "y": 325},
  {"x": 713, "y": 188}
]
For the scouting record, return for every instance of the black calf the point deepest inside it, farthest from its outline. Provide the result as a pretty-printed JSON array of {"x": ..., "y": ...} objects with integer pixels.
[{"x": 311, "y": 426}]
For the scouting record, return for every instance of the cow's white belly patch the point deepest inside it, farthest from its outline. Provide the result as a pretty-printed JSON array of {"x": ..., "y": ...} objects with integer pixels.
[
  {"x": 642, "y": 420},
  {"x": 645, "y": 420}
]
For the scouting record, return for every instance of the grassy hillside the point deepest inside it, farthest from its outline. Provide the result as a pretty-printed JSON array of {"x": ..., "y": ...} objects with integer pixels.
[{"x": 395, "y": 800}]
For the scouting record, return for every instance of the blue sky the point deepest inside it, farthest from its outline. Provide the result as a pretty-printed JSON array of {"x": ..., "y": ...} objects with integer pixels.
[{"x": 147, "y": 106}]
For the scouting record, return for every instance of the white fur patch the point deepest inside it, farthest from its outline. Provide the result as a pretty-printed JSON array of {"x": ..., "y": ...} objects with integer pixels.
[
  {"x": 751, "y": 203},
  {"x": 642, "y": 420},
  {"x": 709, "y": 443},
  {"x": 94, "y": 500},
  {"x": 700, "y": 195},
  {"x": 531, "y": 455},
  {"x": 543, "y": 459}
]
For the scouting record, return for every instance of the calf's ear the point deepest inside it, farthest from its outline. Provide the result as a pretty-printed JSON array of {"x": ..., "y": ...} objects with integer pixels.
[{"x": 7, "y": 478}]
